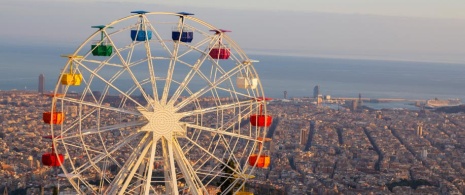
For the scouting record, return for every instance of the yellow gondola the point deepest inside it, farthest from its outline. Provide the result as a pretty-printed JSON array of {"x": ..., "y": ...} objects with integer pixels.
[{"x": 71, "y": 78}]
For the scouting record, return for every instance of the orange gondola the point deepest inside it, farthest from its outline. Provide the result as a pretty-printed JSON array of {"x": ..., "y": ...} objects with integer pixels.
[
  {"x": 53, "y": 117},
  {"x": 262, "y": 160}
]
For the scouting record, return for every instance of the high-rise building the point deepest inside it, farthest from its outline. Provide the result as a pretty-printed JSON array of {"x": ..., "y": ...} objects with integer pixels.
[
  {"x": 419, "y": 130},
  {"x": 316, "y": 91},
  {"x": 41, "y": 84},
  {"x": 285, "y": 94},
  {"x": 424, "y": 153},
  {"x": 303, "y": 136},
  {"x": 354, "y": 105},
  {"x": 31, "y": 162}
]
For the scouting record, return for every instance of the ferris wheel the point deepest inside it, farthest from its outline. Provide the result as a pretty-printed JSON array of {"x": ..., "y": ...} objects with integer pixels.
[{"x": 158, "y": 103}]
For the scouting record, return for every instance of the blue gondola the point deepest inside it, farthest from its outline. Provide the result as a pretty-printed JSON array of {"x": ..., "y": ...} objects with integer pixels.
[
  {"x": 183, "y": 35},
  {"x": 141, "y": 34}
]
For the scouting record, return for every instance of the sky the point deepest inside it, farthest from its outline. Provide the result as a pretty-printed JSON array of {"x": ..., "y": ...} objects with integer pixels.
[
  {"x": 412, "y": 8},
  {"x": 414, "y": 30}
]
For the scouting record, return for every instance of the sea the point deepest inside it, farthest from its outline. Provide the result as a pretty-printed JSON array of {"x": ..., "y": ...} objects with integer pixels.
[{"x": 21, "y": 65}]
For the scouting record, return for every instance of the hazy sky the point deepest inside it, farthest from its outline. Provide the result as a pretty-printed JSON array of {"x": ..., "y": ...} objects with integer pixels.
[
  {"x": 421, "y": 30},
  {"x": 416, "y": 8}
]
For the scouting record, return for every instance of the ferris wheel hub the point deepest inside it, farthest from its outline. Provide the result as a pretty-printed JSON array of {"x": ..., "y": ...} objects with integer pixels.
[{"x": 163, "y": 121}]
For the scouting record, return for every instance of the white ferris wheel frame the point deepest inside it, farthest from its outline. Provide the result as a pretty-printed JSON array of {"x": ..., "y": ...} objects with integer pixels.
[{"x": 135, "y": 174}]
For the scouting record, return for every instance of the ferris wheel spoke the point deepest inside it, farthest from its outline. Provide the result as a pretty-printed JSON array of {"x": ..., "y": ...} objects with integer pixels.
[
  {"x": 195, "y": 47},
  {"x": 98, "y": 130},
  {"x": 244, "y": 104},
  {"x": 231, "y": 149},
  {"x": 112, "y": 86},
  {"x": 92, "y": 161},
  {"x": 208, "y": 88},
  {"x": 151, "y": 71},
  {"x": 118, "y": 180},
  {"x": 102, "y": 62},
  {"x": 195, "y": 68},
  {"x": 195, "y": 184},
  {"x": 138, "y": 84},
  {"x": 100, "y": 106},
  {"x": 222, "y": 132},
  {"x": 236, "y": 93},
  {"x": 159, "y": 38},
  {"x": 150, "y": 165},
  {"x": 131, "y": 166},
  {"x": 212, "y": 155},
  {"x": 169, "y": 167},
  {"x": 172, "y": 64},
  {"x": 127, "y": 66}
]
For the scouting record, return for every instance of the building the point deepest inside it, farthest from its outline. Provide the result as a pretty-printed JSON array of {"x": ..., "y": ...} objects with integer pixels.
[
  {"x": 303, "y": 136},
  {"x": 316, "y": 91},
  {"x": 41, "y": 88},
  {"x": 419, "y": 130},
  {"x": 360, "y": 102},
  {"x": 424, "y": 154},
  {"x": 354, "y": 106},
  {"x": 285, "y": 94}
]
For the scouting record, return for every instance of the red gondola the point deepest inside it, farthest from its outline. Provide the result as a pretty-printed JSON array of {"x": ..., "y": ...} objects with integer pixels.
[
  {"x": 52, "y": 159},
  {"x": 260, "y": 119},
  {"x": 220, "y": 51}
]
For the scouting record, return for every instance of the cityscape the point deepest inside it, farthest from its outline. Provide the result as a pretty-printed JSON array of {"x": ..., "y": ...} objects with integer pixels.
[
  {"x": 240, "y": 97},
  {"x": 315, "y": 149}
]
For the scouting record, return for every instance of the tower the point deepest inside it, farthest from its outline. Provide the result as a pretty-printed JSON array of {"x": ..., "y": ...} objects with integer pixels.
[
  {"x": 316, "y": 91},
  {"x": 360, "y": 103},
  {"x": 285, "y": 94},
  {"x": 41, "y": 88}
]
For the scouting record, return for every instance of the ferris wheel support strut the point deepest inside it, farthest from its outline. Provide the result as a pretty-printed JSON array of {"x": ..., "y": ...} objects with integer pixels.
[
  {"x": 195, "y": 185},
  {"x": 150, "y": 165},
  {"x": 135, "y": 168}
]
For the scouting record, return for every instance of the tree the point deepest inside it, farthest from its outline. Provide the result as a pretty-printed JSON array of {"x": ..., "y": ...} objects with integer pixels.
[
  {"x": 226, "y": 181},
  {"x": 55, "y": 190}
]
